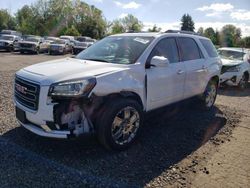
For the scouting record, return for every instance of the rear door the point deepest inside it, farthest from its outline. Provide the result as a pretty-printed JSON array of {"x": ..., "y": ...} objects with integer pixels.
[
  {"x": 195, "y": 65},
  {"x": 165, "y": 85}
]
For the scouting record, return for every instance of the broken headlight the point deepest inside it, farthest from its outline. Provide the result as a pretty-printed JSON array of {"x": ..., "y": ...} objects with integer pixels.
[
  {"x": 72, "y": 88},
  {"x": 234, "y": 69}
]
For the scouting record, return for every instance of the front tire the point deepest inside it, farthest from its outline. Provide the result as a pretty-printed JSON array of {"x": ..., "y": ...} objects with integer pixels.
[
  {"x": 243, "y": 82},
  {"x": 209, "y": 96},
  {"x": 119, "y": 125}
]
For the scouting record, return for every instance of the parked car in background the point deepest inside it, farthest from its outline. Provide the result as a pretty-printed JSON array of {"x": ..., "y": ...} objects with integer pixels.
[
  {"x": 90, "y": 41},
  {"x": 10, "y": 32},
  {"x": 71, "y": 39},
  {"x": 24, "y": 37},
  {"x": 33, "y": 44},
  {"x": 81, "y": 43},
  {"x": 51, "y": 39},
  {"x": 60, "y": 46},
  {"x": 236, "y": 66},
  {"x": 108, "y": 88},
  {"x": 9, "y": 42}
]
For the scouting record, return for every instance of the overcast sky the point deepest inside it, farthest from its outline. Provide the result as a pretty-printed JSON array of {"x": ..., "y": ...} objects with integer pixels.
[{"x": 167, "y": 13}]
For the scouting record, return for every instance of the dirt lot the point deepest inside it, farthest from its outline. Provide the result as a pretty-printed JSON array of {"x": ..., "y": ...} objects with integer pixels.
[{"x": 179, "y": 146}]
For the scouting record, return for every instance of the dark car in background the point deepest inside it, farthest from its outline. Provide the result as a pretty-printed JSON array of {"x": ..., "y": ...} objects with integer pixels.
[
  {"x": 9, "y": 42},
  {"x": 60, "y": 46},
  {"x": 33, "y": 44}
]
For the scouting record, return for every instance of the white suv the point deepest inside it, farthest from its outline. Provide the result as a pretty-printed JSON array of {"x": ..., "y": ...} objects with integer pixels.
[
  {"x": 108, "y": 88},
  {"x": 236, "y": 66}
]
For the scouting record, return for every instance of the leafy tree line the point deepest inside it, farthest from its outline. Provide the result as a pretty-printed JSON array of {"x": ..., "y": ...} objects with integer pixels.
[
  {"x": 58, "y": 17},
  {"x": 67, "y": 17},
  {"x": 228, "y": 36}
]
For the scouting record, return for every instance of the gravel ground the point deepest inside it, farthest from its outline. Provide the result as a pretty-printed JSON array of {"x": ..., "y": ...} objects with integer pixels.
[{"x": 168, "y": 155}]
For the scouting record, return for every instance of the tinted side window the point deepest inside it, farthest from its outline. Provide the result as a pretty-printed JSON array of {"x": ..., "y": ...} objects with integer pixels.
[
  {"x": 167, "y": 48},
  {"x": 208, "y": 45},
  {"x": 189, "y": 49}
]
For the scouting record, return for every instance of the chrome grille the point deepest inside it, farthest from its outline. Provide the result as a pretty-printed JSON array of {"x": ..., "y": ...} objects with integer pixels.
[
  {"x": 27, "y": 93},
  {"x": 26, "y": 45}
]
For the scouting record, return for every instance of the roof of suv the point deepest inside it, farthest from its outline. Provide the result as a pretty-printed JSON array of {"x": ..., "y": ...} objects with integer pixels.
[{"x": 156, "y": 35}]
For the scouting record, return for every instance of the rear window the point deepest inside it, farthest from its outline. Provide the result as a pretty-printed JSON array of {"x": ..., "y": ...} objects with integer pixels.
[
  {"x": 189, "y": 49},
  {"x": 209, "y": 47}
]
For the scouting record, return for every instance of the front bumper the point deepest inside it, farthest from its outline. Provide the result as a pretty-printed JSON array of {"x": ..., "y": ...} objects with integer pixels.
[
  {"x": 58, "y": 51},
  {"x": 46, "y": 133},
  {"x": 5, "y": 47},
  {"x": 27, "y": 49},
  {"x": 231, "y": 78}
]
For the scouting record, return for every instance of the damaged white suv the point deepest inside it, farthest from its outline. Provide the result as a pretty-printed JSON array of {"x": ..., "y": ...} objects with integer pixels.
[
  {"x": 108, "y": 88},
  {"x": 236, "y": 66}
]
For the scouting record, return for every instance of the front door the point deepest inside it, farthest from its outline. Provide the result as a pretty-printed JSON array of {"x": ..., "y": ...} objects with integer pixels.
[{"x": 165, "y": 85}]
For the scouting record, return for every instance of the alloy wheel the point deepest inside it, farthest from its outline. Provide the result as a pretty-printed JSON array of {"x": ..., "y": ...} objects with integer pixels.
[{"x": 125, "y": 125}]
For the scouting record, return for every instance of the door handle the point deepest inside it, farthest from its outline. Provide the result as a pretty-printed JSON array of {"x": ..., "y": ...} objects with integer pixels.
[{"x": 180, "y": 72}]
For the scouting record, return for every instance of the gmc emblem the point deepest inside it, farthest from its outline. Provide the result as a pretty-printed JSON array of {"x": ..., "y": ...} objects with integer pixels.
[{"x": 21, "y": 89}]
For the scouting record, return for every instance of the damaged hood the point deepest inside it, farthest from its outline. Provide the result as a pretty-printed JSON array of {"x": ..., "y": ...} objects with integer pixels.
[
  {"x": 229, "y": 62},
  {"x": 66, "y": 69}
]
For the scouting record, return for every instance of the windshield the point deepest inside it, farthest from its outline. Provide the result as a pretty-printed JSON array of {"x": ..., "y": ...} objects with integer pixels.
[
  {"x": 81, "y": 39},
  {"x": 227, "y": 54},
  {"x": 58, "y": 42},
  {"x": 7, "y": 38},
  {"x": 32, "y": 39},
  {"x": 117, "y": 49}
]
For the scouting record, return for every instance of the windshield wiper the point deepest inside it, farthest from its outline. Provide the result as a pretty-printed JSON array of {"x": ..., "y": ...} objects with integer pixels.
[{"x": 99, "y": 60}]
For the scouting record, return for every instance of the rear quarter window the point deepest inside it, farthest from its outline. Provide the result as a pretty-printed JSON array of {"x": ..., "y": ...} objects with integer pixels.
[{"x": 209, "y": 47}]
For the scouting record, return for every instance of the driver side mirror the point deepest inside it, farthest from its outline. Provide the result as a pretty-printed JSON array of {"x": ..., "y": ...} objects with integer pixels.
[{"x": 159, "y": 61}]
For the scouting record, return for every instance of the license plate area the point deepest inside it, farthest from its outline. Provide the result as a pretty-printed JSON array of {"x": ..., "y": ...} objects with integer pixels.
[{"x": 20, "y": 115}]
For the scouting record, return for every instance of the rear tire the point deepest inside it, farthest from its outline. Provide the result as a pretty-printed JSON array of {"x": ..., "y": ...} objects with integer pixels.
[
  {"x": 208, "y": 98},
  {"x": 119, "y": 124}
]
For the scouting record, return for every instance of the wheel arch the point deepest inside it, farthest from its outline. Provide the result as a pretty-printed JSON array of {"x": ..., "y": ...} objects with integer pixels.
[
  {"x": 247, "y": 74},
  {"x": 126, "y": 94},
  {"x": 215, "y": 78}
]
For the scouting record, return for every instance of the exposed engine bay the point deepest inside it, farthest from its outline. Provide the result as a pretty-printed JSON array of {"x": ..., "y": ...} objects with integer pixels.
[{"x": 75, "y": 115}]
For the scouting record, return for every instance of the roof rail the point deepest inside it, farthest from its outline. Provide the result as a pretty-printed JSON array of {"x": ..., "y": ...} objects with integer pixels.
[{"x": 179, "y": 31}]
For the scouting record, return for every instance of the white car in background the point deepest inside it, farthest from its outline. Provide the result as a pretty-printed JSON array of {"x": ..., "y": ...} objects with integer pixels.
[{"x": 236, "y": 66}]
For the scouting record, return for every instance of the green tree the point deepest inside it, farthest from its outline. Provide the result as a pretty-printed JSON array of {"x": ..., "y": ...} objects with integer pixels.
[
  {"x": 230, "y": 36},
  {"x": 89, "y": 20},
  {"x": 210, "y": 33},
  {"x": 131, "y": 23},
  {"x": 117, "y": 27},
  {"x": 25, "y": 22},
  {"x": 154, "y": 29},
  {"x": 200, "y": 31},
  {"x": 6, "y": 20},
  {"x": 126, "y": 24},
  {"x": 187, "y": 23},
  {"x": 217, "y": 37},
  {"x": 55, "y": 17},
  {"x": 71, "y": 31},
  {"x": 244, "y": 42}
]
